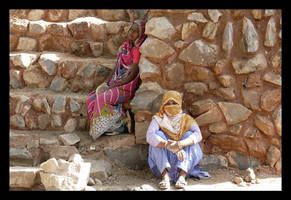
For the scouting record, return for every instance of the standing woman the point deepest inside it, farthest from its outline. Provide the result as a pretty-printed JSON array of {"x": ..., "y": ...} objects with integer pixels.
[
  {"x": 106, "y": 109},
  {"x": 173, "y": 137}
]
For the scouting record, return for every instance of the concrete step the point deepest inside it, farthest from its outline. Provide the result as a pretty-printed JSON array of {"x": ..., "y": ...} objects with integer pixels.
[
  {"x": 59, "y": 72},
  {"x": 84, "y": 36}
]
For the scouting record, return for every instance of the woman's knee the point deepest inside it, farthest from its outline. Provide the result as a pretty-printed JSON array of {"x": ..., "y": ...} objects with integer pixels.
[
  {"x": 195, "y": 151},
  {"x": 187, "y": 134}
]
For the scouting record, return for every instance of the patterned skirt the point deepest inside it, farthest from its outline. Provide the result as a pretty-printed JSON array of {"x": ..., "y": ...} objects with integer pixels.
[
  {"x": 102, "y": 124},
  {"x": 106, "y": 111}
]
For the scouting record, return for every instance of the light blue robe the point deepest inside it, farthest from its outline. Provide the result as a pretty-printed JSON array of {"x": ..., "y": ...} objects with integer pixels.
[{"x": 161, "y": 158}]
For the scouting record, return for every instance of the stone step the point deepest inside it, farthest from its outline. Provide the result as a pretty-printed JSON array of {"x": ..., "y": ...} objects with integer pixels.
[
  {"x": 30, "y": 148},
  {"x": 23, "y": 177},
  {"x": 67, "y": 15},
  {"x": 44, "y": 109},
  {"x": 57, "y": 71},
  {"x": 83, "y": 36}
]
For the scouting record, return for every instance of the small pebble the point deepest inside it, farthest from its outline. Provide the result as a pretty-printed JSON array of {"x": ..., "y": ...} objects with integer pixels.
[
  {"x": 97, "y": 181},
  {"x": 237, "y": 180},
  {"x": 257, "y": 181},
  {"x": 91, "y": 182}
]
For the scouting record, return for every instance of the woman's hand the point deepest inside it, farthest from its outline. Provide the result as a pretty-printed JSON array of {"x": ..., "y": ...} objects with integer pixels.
[
  {"x": 174, "y": 146},
  {"x": 132, "y": 74},
  {"x": 181, "y": 154},
  {"x": 133, "y": 71}
]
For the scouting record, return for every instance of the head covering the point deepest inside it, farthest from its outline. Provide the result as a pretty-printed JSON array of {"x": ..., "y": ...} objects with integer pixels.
[
  {"x": 124, "y": 57},
  {"x": 175, "y": 126},
  {"x": 170, "y": 95},
  {"x": 124, "y": 51},
  {"x": 141, "y": 32}
]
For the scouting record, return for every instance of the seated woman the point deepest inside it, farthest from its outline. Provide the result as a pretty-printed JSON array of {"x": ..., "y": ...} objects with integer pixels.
[
  {"x": 106, "y": 109},
  {"x": 173, "y": 137}
]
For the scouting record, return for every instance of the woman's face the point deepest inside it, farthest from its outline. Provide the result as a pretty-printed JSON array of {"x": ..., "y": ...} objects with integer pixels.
[{"x": 133, "y": 32}]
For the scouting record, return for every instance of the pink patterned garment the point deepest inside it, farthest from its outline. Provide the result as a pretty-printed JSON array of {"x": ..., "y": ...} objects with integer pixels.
[{"x": 106, "y": 111}]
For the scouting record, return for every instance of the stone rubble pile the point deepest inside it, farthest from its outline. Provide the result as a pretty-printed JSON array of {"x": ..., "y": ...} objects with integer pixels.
[
  {"x": 65, "y": 175},
  {"x": 250, "y": 178}
]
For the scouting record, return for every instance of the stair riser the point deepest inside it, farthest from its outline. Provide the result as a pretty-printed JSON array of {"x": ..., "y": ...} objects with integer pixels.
[
  {"x": 38, "y": 146},
  {"x": 45, "y": 71},
  {"x": 80, "y": 38},
  {"x": 66, "y": 15},
  {"x": 40, "y": 111}
]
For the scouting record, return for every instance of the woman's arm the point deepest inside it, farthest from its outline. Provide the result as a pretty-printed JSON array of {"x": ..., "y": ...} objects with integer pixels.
[
  {"x": 194, "y": 138},
  {"x": 152, "y": 138},
  {"x": 111, "y": 73},
  {"x": 133, "y": 71}
]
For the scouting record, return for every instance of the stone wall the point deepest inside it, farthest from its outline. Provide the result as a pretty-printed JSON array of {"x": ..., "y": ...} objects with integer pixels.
[{"x": 227, "y": 65}]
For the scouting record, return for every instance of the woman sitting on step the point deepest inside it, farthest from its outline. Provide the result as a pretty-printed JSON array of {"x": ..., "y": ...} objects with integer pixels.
[
  {"x": 173, "y": 137},
  {"x": 106, "y": 105}
]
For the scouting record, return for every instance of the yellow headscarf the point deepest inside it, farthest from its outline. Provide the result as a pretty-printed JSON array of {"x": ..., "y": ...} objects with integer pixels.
[{"x": 186, "y": 120}]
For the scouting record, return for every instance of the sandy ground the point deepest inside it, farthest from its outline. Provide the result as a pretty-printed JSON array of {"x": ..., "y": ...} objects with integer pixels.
[{"x": 143, "y": 180}]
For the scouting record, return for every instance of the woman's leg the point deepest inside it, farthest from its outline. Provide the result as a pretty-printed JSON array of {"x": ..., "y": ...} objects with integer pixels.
[
  {"x": 180, "y": 168},
  {"x": 181, "y": 182},
  {"x": 165, "y": 183},
  {"x": 158, "y": 157},
  {"x": 159, "y": 163},
  {"x": 193, "y": 155},
  {"x": 102, "y": 123},
  {"x": 190, "y": 165}
]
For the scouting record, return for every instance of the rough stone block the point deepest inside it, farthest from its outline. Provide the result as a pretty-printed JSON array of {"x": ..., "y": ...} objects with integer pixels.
[
  {"x": 63, "y": 152},
  {"x": 213, "y": 162},
  {"x": 69, "y": 139},
  {"x": 26, "y": 44},
  {"x": 50, "y": 166},
  {"x": 22, "y": 177},
  {"x": 100, "y": 168},
  {"x": 134, "y": 157}
]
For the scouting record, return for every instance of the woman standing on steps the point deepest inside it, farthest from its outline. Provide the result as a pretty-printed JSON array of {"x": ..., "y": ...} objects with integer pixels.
[
  {"x": 173, "y": 137},
  {"x": 105, "y": 106}
]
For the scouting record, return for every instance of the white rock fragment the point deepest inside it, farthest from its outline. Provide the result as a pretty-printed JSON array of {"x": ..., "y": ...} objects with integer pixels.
[
  {"x": 50, "y": 166},
  {"x": 76, "y": 158},
  {"x": 69, "y": 139},
  {"x": 271, "y": 33},
  {"x": 62, "y": 175},
  {"x": 250, "y": 40},
  {"x": 269, "y": 12},
  {"x": 214, "y": 14},
  {"x": 250, "y": 177},
  {"x": 227, "y": 42},
  {"x": 198, "y": 17}
]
